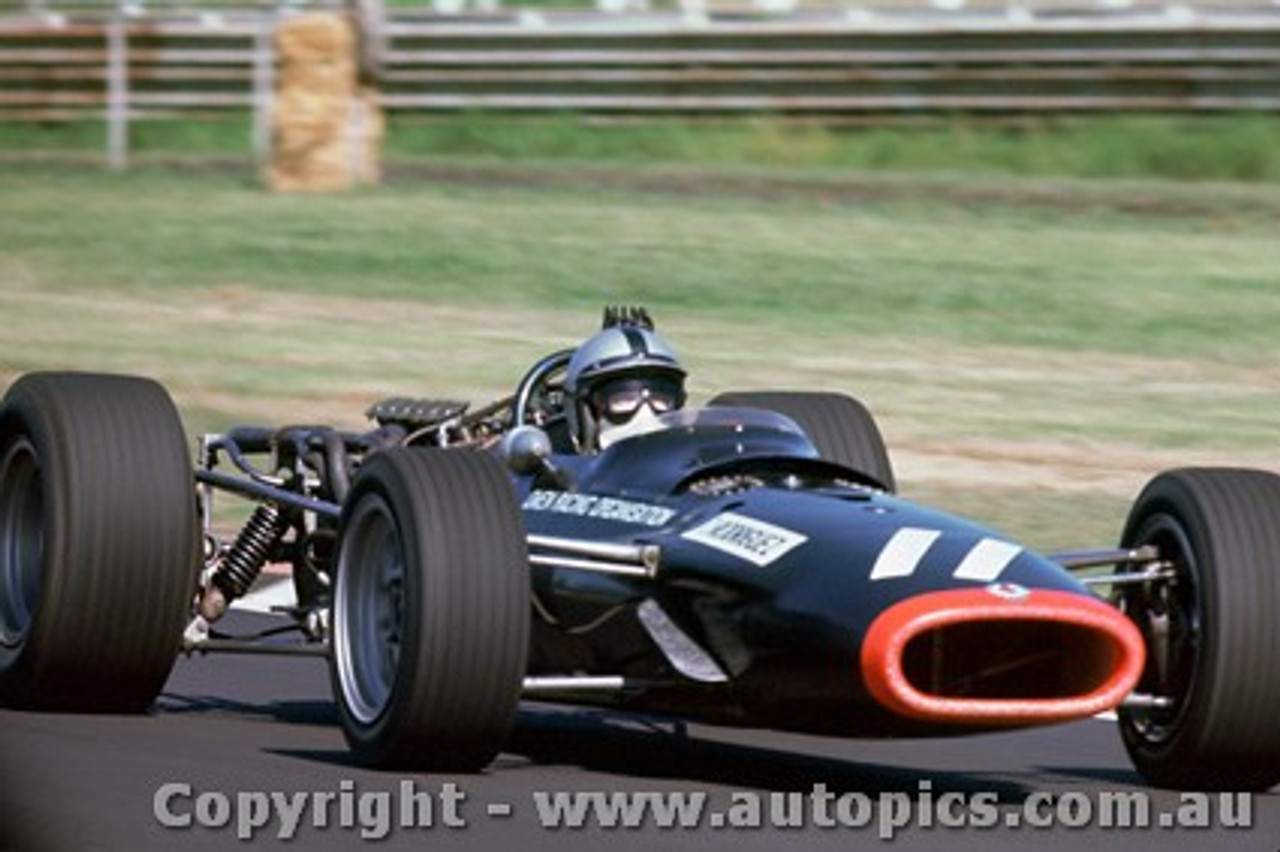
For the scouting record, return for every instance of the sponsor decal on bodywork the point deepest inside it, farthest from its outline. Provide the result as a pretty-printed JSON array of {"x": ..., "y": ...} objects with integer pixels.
[
  {"x": 755, "y": 541},
  {"x": 596, "y": 506},
  {"x": 1009, "y": 591}
]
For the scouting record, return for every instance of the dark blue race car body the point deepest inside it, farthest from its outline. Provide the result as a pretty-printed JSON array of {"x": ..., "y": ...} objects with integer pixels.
[{"x": 774, "y": 568}]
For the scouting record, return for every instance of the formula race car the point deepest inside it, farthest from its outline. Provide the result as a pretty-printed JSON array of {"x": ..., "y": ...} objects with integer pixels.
[{"x": 746, "y": 563}]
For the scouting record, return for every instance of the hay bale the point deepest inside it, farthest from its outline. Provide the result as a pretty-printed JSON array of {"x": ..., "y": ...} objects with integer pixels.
[
  {"x": 316, "y": 36},
  {"x": 327, "y": 77},
  {"x": 326, "y": 144},
  {"x": 326, "y": 132}
]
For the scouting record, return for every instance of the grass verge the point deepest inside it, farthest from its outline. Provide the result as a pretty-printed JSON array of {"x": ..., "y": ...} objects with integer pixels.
[
  {"x": 1034, "y": 350},
  {"x": 1238, "y": 148}
]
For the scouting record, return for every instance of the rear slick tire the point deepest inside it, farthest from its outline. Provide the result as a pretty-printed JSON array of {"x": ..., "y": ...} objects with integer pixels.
[
  {"x": 841, "y": 427},
  {"x": 99, "y": 544}
]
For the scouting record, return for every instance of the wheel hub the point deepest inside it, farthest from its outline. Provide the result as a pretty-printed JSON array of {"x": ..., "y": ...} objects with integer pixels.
[
  {"x": 369, "y": 611},
  {"x": 21, "y": 541}
]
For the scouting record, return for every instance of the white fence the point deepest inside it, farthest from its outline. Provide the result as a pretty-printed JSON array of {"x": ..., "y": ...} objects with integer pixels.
[{"x": 832, "y": 64}]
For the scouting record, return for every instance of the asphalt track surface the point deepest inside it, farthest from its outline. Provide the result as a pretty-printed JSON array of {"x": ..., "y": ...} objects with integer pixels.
[{"x": 231, "y": 726}]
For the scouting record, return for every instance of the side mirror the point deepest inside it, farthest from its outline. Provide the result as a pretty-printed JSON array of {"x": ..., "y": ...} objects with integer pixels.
[{"x": 527, "y": 450}]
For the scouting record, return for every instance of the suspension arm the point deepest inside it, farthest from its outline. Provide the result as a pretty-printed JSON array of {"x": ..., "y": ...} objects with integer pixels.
[{"x": 264, "y": 491}]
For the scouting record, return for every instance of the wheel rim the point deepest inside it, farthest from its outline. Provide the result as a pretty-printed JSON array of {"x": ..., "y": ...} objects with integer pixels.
[
  {"x": 1176, "y": 653},
  {"x": 369, "y": 610},
  {"x": 21, "y": 540}
]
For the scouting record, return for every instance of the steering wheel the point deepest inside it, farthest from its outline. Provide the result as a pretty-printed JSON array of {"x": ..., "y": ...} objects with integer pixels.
[{"x": 537, "y": 382}]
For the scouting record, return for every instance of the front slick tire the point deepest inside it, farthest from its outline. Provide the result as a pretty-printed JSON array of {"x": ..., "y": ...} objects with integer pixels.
[
  {"x": 430, "y": 611},
  {"x": 98, "y": 542},
  {"x": 1213, "y": 635}
]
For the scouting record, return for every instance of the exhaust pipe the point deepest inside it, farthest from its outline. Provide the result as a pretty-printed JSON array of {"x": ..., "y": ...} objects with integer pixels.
[{"x": 1002, "y": 655}]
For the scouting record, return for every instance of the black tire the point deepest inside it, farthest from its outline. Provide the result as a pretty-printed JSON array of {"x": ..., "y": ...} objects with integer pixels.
[
  {"x": 99, "y": 542},
  {"x": 840, "y": 427},
  {"x": 1220, "y": 529},
  {"x": 431, "y": 610}
]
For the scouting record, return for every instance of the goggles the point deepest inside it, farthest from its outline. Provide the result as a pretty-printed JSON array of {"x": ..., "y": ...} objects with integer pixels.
[{"x": 618, "y": 401}]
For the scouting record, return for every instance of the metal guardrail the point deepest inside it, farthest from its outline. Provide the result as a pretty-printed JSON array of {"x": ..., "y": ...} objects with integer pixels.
[{"x": 836, "y": 65}]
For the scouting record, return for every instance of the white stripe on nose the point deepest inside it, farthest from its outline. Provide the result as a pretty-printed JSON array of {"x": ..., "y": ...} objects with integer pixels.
[
  {"x": 987, "y": 560},
  {"x": 901, "y": 555}
]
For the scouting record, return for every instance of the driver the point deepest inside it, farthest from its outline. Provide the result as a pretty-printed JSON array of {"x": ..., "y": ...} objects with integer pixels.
[{"x": 619, "y": 381}]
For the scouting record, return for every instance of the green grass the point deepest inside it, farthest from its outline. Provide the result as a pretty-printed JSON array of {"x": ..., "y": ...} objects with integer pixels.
[
  {"x": 1232, "y": 148},
  {"x": 1173, "y": 285},
  {"x": 1034, "y": 349},
  {"x": 1238, "y": 148}
]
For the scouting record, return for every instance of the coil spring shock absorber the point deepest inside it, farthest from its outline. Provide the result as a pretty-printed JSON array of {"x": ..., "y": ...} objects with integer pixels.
[{"x": 244, "y": 560}]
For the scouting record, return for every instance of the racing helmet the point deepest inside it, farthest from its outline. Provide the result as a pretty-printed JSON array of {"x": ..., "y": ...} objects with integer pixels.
[{"x": 619, "y": 380}]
